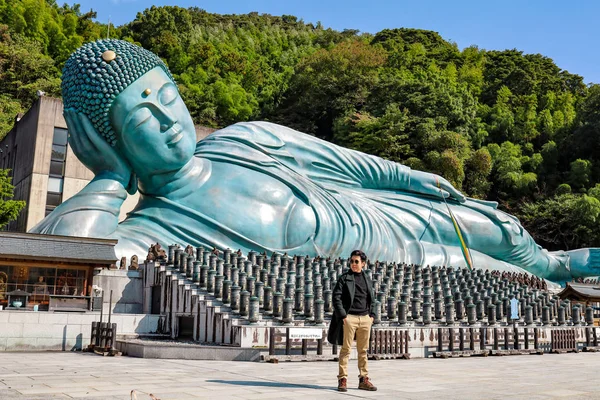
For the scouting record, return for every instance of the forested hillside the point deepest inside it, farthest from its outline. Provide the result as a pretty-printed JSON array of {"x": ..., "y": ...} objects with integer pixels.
[{"x": 500, "y": 125}]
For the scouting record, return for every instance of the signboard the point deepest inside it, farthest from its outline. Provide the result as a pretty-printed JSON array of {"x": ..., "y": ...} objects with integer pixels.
[
  {"x": 514, "y": 309},
  {"x": 306, "y": 333}
]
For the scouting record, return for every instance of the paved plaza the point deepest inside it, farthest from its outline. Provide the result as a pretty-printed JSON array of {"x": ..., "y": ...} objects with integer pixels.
[{"x": 64, "y": 375}]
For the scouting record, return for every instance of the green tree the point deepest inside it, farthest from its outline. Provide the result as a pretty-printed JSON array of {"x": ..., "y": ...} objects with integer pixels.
[{"x": 9, "y": 209}]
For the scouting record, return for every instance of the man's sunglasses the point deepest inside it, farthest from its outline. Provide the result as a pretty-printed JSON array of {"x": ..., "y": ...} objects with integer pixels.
[{"x": 355, "y": 261}]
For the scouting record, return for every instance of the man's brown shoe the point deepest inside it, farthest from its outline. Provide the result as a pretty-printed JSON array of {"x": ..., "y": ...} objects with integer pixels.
[
  {"x": 342, "y": 386},
  {"x": 365, "y": 384}
]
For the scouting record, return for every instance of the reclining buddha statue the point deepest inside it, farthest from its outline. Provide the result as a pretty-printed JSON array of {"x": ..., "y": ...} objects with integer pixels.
[{"x": 261, "y": 186}]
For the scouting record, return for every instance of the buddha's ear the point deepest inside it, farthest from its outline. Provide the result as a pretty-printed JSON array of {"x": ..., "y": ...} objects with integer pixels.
[{"x": 132, "y": 187}]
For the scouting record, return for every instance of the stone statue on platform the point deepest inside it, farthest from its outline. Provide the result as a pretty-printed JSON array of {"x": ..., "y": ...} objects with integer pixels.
[
  {"x": 134, "y": 265},
  {"x": 156, "y": 252},
  {"x": 260, "y": 186}
]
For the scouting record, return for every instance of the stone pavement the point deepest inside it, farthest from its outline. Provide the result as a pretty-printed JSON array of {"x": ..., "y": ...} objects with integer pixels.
[{"x": 64, "y": 375}]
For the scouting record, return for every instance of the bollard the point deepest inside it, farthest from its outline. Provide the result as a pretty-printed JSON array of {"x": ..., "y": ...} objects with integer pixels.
[
  {"x": 259, "y": 292},
  {"x": 196, "y": 273},
  {"x": 589, "y": 316},
  {"x": 546, "y": 315},
  {"x": 328, "y": 298},
  {"x": 499, "y": 313},
  {"x": 309, "y": 306},
  {"x": 203, "y": 276},
  {"x": 250, "y": 285},
  {"x": 449, "y": 314},
  {"x": 210, "y": 281},
  {"x": 471, "y": 314},
  {"x": 253, "y": 314},
  {"x": 235, "y": 276},
  {"x": 267, "y": 300},
  {"x": 299, "y": 301},
  {"x": 226, "y": 292},
  {"x": 189, "y": 266},
  {"x": 491, "y": 314},
  {"x": 171, "y": 254},
  {"x": 244, "y": 303},
  {"x": 319, "y": 311},
  {"x": 438, "y": 308},
  {"x": 235, "y": 298},
  {"x": 219, "y": 287},
  {"x": 460, "y": 309},
  {"x": 415, "y": 309},
  {"x": 288, "y": 311},
  {"x": 426, "y": 313},
  {"x": 402, "y": 313},
  {"x": 561, "y": 316},
  {"x": 391, "y": 308},
  {"x": 576, "y": 315},
  {"x": 243, "y": 281},
  {"x": 528, "y": 315},
  {"x": 290, "y": 289},
  {"x": 377, "y": 317}
]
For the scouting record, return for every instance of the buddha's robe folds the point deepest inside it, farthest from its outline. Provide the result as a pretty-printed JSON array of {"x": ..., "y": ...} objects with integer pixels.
[{"x": 338, "y": 200}]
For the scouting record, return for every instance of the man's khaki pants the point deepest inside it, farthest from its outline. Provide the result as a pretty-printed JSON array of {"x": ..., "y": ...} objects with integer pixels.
[{"x": 361, "y": 325}]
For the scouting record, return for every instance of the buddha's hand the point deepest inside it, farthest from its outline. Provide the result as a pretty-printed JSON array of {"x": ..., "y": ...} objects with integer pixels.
[
  {"x": 95, "y": 152},
  {"x": 433, "y": 185}
]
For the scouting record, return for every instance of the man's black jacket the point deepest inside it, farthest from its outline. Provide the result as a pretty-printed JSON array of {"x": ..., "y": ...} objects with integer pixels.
[{"x": 343, "y": 296}]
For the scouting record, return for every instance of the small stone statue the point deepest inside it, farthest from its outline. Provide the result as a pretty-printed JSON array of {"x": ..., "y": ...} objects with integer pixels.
[
  {"x": 123, "y": 263},
  {"x": 156, "y": 252},
  {"x": 189, "y": 250},
  {"x": 134, "y": 263}
]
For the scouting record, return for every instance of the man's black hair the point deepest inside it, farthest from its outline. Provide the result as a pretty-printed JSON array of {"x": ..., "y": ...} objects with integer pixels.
[{"x": 359, "y": 253}]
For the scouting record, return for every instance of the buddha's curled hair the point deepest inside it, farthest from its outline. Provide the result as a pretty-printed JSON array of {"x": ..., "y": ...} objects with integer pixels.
[{"x": 93, "y": 77}]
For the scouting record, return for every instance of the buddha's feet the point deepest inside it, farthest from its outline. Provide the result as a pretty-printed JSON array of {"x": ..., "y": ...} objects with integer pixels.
[{"x": 584, "y": 262}]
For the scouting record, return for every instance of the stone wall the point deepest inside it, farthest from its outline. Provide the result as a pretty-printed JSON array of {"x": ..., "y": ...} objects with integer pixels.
[
  {"x": 128, "y": 294},
  {"x": 29, "y": 330}
]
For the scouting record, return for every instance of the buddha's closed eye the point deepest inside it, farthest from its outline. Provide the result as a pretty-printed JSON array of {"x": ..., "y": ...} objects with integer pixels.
[
  {"x": 168, "y": 94},
  {"x": 141, "y": 115}
]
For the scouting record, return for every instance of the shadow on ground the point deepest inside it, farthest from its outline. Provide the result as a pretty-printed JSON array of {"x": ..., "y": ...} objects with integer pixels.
[{"x": 272, "y": 384}]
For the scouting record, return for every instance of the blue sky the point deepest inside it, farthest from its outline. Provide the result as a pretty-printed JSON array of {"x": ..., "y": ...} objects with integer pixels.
[{"x": 566, "y": 31}]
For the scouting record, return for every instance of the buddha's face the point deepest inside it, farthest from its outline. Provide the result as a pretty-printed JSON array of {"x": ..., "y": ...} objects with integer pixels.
[{"x": 155, "y": 131}]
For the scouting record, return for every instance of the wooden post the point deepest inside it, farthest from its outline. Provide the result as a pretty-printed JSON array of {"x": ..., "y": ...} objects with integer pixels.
[
  {"x": 461, "y": 339},
  {"x": 272, "y": 341},
  {"x": 440, "y": 341},
  {"x": 320, "y": 347},
  {"x": 334, "y": 349},
  {"x": 526, "y": 337},
  {"x": 482, "y": 332},
  {"x": 304, "y": 347},
  {"x": 595, "y": 334},
  {"x": 406, "y": 342},
  {"x": 516, "y": 336},
  {"x": 588, "y": 337},
  {"x": 496, "y": 339},
  {"x": 506, "y": 339},
  {"x": 451, "y": 339},
  {"x": 536, "y": 344},
  {"x": 472, "y": 339},
  {"x": 288, "y": 342}
]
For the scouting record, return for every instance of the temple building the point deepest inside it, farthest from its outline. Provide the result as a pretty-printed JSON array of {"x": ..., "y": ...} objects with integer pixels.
[{"x": 44, "y": 169}]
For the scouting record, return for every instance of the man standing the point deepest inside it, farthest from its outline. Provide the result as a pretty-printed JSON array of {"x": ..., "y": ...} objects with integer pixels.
[{"x": 354, "y": 308}]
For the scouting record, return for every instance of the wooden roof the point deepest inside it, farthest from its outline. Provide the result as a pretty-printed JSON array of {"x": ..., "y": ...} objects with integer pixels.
[
  {"x": 581, "y": 291},
  {"x": 29, "y": 246}
]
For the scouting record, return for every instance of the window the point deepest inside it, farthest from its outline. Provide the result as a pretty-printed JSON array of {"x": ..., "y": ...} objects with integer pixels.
[
  {"x": 57, "y": 169},
  {"x": 55, "y": 185},
  {"x": 60, "y": 136}
]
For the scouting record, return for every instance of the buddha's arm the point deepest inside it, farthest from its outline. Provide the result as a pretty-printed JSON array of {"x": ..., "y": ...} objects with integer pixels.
[
  {"x": 328, "y": 163},
  {"x": 93, "y": 212}
]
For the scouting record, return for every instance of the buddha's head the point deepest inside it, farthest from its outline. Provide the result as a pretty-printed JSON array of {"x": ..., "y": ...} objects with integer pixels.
[{"x": 132, "y": 101}]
